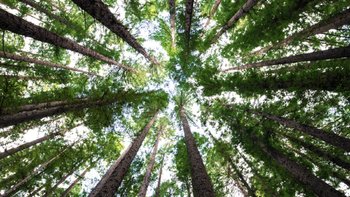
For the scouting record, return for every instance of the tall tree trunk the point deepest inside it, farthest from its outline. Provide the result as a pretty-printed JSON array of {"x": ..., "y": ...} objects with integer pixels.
[
  {"x": 160, "y": 177},
  {"x": 172, "y": 12},
  {"x": 33, "y": 173},
  {"x": 239, "y": 14},
  {"x": 38, "y": 7},
  {"x": 98, "y": 10},
  {"x": 212, "y": 12},
  {"x": 20, "y": 117},
  {"x": 200, "y": 179},
  {"x": 32, "y": 194},
  {"x": 111, "y": 181},
  {"x": 22, "y": 58},
  {"x": 314, "y": 56},
  {"x": 188, "y": 22},
  {"x": 300, "y": 173},
  {"x": 81, "y": 176},
  {"x": 319, "y": 152},
  {"x": 328, "y": 137},
  {"x": 17, "y": 25},
  {"x": 334, "y": 22},
  {"x": 147, "y": 177}
]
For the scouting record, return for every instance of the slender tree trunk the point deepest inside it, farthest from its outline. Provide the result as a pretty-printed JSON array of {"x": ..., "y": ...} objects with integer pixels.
[
  {"x": 159, "y": 178},
  {"x": 200, "y": 180},
  {"x": 22, "y": 58},
  {"x": 147, "y": 177},
  {"x": 17, "y": 25},
  {"x": 188, "y": 22},
  {"x": 212, "y": 12},
  {"x": 334, "y": 22},
  {"x": 13, "y": 151},
  {"x": 81, "y": 176},
  {"x": 20, "y": 117},
  {"x": 314, "y": 56},
  {"x": 328, "y": 137},
  {"x": 300, "y": 173},
  {"x": 238, "y": 15},
  {"x": 319, "y": 152},
  {"x": 111, "y": 181},
  {"x": 35, "y": 172},
  {"x": 36, "y": 191},
  {"x": 98, "y": 10},
  {"x": 172, "y": 13}
]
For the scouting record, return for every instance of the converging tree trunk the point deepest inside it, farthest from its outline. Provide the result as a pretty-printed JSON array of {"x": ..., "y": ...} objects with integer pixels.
[
  {"x": 238, "y": 15},
  {"x": 147, "y": 177},
  {"x": 188, "y": 22},
  {"x": 98, "y": 10},
  {"x": 33, "y": 173},
  {"x": 20, "y": 26},
  {"x": 331, "y": 138},
  {"x": 300, "y": 173},
  {"x": 160, "y": 177},
  {"x": 334, "y": 22},
  {"x": 212, "y": 12},
  {"x": 172, "y": 12},
  {"x": 200, "y": 179},
  {"x": 110, "y": 182},
  {"x": 22, "y": 58},
  {"x": 71, "y": 186},
  {"x": 314, "y": 56}
]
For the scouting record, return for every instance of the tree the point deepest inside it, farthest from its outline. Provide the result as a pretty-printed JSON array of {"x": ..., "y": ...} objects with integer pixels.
[
  {"x": 212, "y": 12},
  {"x": 172, "y": 12},
  {"x": 81, "y": 176},
  {"x": 157, "y": 194},
  {"x": 17, "y": 25},
  {"x": 115, "y": 174},
  {"x": 100, "y": 11}
]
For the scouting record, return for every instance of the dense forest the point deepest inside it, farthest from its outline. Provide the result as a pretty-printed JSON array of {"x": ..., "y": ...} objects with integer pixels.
[{"x": 175, "y": 98}]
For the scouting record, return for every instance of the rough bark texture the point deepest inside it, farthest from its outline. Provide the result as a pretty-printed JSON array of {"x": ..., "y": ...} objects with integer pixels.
[
  {"x": 110, "y": 182},
  {"x": 98, "y": 10},
  {"x": 328, "y": 137},
  {"x": 20, "y": 117},
  {"x": 17, "y": 25},
  {"x": 239, "y": 14},
  {"x": 200, "y": 179},
  {"x": 188, "y": 21},
  {"x": 41, "y": 62},
  {"x": 81, "y": 176},
  {"x": 172, "y": 12},
  {"x": 335, "y": 22},
  {"x": 159, "y": 178},
  {"x": 300, "y": 173},
  {"x": 33, "y": 173},
  {"x": 212, "y": 12},
  {"x": 12, "y": 151},
  {"x": 314, "y": 56},
  {"x": 152, "y": 160},
  {"x": 320, "y": 152}
]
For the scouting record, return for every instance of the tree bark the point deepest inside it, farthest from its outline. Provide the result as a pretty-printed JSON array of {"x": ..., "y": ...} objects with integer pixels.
[
  {"x": 98, "y": 10},
  {"x": 300, "y": 173},
  {"x": 17, "y": 25},
  {"x": 35, "y": 172},
  {"x": 20, "y": 117},
  {"x": 188, "y": 22},
  {"x": 334, "y": 22},
  {"x": 111, "y": 181},
  {"x": 314, "y": 56},
  {"x": 331, "y": 138},
  {"x": 238, "y": 15},
  {"x": 22, "y": 58},
  {"x": 81, "y": 176},
  {"x": 172, "y": 12},
  {"x": 159, "y": 178},
  {"x": 212, "y": 12},
  {"x": 200, "y": 179},
  {"x": 147, "y": 177}
]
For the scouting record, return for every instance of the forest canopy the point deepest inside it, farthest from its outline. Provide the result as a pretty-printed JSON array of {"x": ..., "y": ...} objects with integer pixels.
[{"x": 175, "y": 98}]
